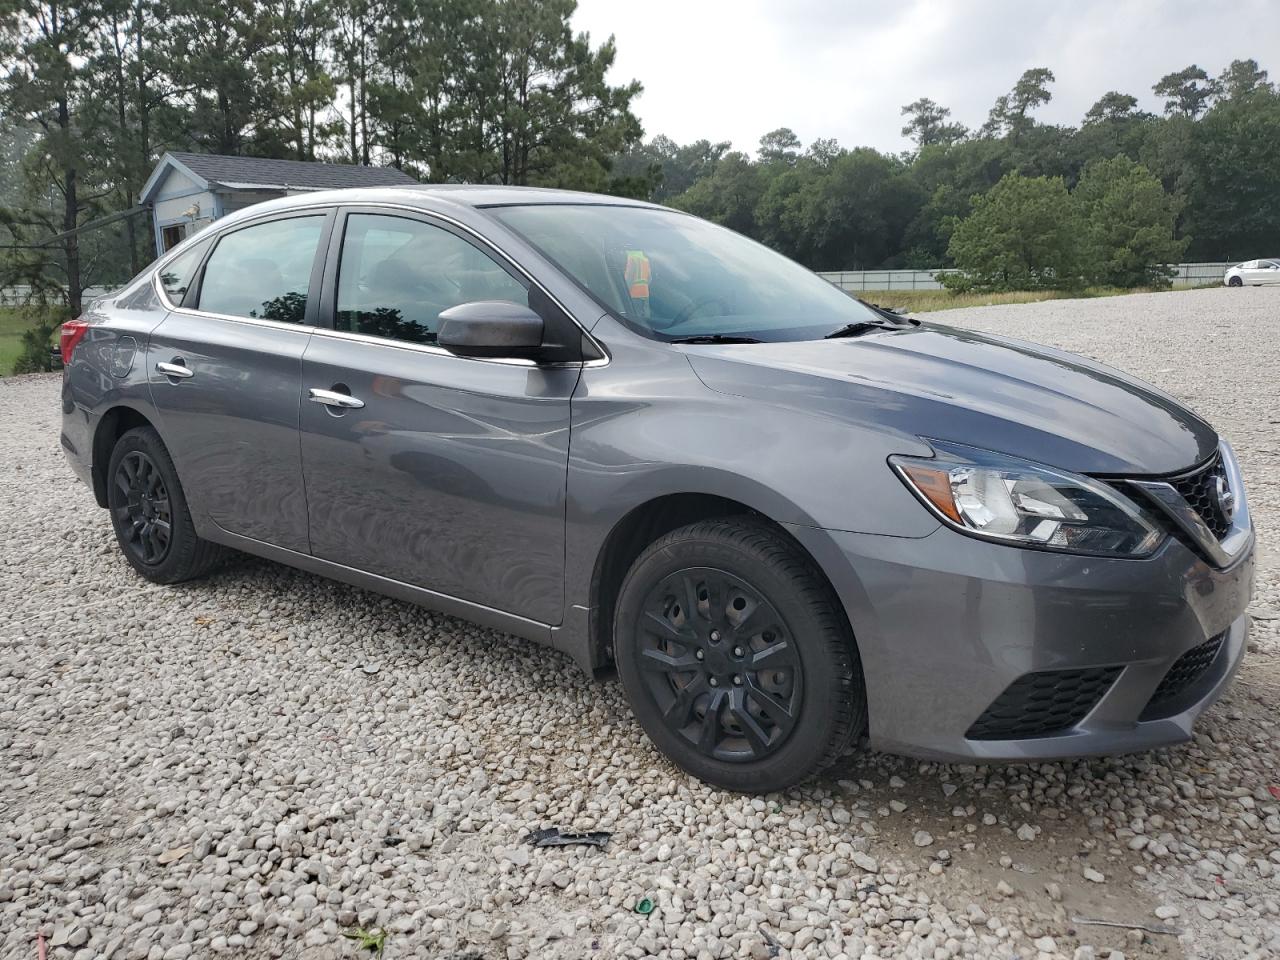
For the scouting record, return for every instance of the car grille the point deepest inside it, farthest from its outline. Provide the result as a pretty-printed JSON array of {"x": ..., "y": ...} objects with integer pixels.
[
  {"x": 1197, "y": 488},
  {"x": 1039, "y": 704},
  {"x": 1184, "y": 673}
]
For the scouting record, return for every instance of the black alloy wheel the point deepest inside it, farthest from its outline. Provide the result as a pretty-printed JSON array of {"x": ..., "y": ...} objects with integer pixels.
[
  {"x": 144, "y": 512},
  {"x": 1235, "y": 282},
  {"x": 736, "y": 655},
  {"x": 149, "y": 512},
  {"x": 720, "y": 664}
]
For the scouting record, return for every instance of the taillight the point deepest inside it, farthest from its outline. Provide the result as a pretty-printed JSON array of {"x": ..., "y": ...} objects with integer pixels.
[{"x": 70, "y": 334}]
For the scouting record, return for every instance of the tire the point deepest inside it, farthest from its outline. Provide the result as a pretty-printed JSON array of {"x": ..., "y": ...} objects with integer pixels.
[
  {"x": 149, "y": 512},
  {"x": 767, "y": 654},
  {"x": 1235, "y": 282}
]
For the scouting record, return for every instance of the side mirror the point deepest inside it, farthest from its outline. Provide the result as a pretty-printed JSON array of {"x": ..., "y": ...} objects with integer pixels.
[{"x": 491, "y": 328}]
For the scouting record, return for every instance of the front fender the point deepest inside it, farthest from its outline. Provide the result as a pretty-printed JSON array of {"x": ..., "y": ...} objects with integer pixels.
[{"x": 645, "y": 426}]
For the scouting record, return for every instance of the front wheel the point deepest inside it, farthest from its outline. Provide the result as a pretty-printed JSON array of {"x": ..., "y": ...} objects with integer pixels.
[
  {"x": 1235, "y": 282},
  {"x": 149, "y": 512},
  {"x": 735, "y": 656}
]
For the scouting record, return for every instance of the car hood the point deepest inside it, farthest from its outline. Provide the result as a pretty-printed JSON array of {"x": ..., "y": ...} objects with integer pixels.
[{"x": 992, "y": 392}]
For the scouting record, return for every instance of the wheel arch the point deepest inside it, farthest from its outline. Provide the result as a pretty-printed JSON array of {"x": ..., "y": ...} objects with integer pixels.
[
  {"x": 115, "y": 423},
  {"x": 644, "y": 524}
]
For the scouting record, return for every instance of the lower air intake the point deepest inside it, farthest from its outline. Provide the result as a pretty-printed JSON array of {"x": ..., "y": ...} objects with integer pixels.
[
  {"x": 1186, "y": 670},
  {"x": 1040, "y": 704}
]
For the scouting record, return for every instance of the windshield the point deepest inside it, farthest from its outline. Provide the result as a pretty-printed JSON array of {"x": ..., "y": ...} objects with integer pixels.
[{"x": 670, "y": 276}]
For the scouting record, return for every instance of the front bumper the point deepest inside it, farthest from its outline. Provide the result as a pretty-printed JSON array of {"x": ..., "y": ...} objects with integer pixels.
[{"x": 946, "y": 623}]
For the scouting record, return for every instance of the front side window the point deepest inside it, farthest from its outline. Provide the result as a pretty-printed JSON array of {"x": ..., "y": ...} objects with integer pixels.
[
  {"x": 396, "y": 275},
  {"x": 263, "y": 271},
  {"x": 670, "y": 276},
  {"x": 177, "y": 274}
]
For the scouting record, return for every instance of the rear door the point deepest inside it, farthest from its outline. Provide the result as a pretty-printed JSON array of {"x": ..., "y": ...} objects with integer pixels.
[
  {"x": 1269, "y": 272},
  {"x": 442, "y": 472},
  {"x": 226, "y": 377}
]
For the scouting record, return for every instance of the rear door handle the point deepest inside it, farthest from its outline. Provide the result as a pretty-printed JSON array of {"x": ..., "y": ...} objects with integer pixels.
[
  {"x": 175, "y": 369},
  {"x": 332, "y": 398}
]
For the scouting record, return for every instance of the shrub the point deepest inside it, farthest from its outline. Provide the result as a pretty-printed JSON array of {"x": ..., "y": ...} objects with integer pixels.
[
  {"x": 1129, "y": 225},
  {"x": 1022, "y": 234},
  {"x": 38, "y": 338}
]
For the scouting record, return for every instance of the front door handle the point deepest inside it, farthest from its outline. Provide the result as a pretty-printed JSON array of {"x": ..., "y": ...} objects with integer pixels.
[
  {"x": 332, "y": 398},
  {"x": 175, "y": 369}
]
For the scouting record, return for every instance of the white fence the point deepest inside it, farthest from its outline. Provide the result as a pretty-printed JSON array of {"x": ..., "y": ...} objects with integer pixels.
[
  {"x": 16, "y": 296},
  {"x": 1188, "y": 275}
]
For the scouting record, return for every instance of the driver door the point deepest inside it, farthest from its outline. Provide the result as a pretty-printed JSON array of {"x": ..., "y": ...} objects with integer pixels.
[{"x": 438, "y": 471}]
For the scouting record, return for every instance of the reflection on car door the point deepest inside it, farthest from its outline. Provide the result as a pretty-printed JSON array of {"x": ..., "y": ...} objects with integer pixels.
[
  {"x": 226, "y": 374},
  {"x": 442, "y": 472}
]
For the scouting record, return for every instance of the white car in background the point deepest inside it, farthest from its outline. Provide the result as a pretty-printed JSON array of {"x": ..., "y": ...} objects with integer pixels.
[{"x": 1253, "y": 273}]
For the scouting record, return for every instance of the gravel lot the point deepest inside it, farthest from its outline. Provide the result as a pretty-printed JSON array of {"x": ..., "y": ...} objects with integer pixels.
[{"x": 210, "y": 769}]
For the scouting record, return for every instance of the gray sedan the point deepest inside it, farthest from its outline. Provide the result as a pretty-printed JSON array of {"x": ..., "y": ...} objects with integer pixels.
[{"x": 789, "y": 520}]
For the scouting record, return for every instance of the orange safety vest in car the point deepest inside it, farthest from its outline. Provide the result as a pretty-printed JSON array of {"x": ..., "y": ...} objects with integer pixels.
[{"x": 637, "y": 275}]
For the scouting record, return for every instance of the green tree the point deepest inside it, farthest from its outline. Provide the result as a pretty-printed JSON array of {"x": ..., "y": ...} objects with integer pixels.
[
  {"x": 1022, "y": 235},
  {"x": 1240, "y": 79},
  {"x": 729, "y": 196},
  {"x": 838, "y": 212},
  {"x": 1232, "y": 184},
  {"x": 357, "y": 26},
  {"x": 296, "y": 65},
  {"x": 928, "y": 125},
  {"x": 218, "y": 56},
  {"x": 537, "y": 102},
  {"x": 431, "y": 113},
  {"x": 1112, "y": 126},
  {"x": 667, "y": 167},
  {"x": 45, "y": 46},
  {"x": 129, "y": 77},
  {"x": 1113, "y": 107},
  {"x": 1011, "y": 115},
  {"x": 779, "y": 146},
  {"x": 1186, "y": 93},
  {"x": 947, "y": 178},
  {"x": 1129, "y": 224}
]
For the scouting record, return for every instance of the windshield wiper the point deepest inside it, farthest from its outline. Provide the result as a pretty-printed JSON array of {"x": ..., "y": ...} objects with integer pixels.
[
  {"x": 714, "y": 338},
  {"x": 861, "y": 327}
]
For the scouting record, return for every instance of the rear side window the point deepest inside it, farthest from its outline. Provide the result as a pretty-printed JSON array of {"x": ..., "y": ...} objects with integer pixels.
[
  {"x": 263, "y": 272},
  {"x": 177, "y": 274},
  {"x": 396, "y": 275}
]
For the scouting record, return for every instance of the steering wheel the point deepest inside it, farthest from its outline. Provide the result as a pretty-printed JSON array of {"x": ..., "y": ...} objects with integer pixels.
[{"x": 688, "y": 310}]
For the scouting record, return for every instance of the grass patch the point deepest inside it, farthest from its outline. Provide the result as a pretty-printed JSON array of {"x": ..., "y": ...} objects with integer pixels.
[
  {"x": 925, "y": 301},
  {"x": 374, "y": 941},
  {"x": 14, "y": 322}
]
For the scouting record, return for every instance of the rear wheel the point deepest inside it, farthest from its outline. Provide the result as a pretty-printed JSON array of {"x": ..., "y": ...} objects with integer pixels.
[
  {"x": 1235, "y": 282},
  {"x": 149, "y": 512},
  {"x": 735, "y": 656}
]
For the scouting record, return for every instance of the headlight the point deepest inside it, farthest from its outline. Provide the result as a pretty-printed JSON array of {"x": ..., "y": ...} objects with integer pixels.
[{"x": 1014, "y": 501}]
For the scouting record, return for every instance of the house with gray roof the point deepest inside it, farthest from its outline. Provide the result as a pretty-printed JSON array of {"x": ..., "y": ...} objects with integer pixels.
[{"x": 186, "y": 191}]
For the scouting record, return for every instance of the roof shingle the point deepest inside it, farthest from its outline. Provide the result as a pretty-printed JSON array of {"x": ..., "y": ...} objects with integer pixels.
[{"x": 260, "y": 172}]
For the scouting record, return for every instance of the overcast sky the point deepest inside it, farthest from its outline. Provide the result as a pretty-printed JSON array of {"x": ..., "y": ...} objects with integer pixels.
[{"x": 734, "y": 69}]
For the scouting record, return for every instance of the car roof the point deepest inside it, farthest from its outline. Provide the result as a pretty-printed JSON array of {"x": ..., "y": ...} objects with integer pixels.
[
  {"x": 486, "y": 195},
  {"x": 442, "y": 198}
]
